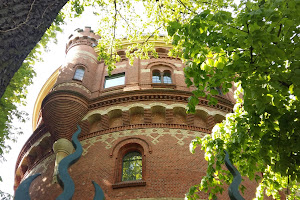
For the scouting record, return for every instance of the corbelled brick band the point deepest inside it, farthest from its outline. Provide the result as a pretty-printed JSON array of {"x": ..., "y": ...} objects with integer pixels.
[{"x": 62, "y": 111}]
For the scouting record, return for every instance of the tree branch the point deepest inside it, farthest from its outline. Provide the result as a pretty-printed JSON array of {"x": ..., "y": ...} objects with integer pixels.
[
  {"x": 187, "y": 8},
  {"x": 236, "y": 28},
  {"x": 114, "y": 28},
  {"x": 125, "y": 20},
  {"x": 151, "y": 35},
  {"x": 279, "y": 31}
]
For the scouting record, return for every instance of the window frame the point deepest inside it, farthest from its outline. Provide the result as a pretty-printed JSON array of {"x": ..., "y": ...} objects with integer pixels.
[
  {"x": 114, "y": 76},
  {"x": 162, "y": 75},
  {"x": 77, "y": 69},
  {"x": 124, "y": 150},
  {"x": 159, "y": 76}
]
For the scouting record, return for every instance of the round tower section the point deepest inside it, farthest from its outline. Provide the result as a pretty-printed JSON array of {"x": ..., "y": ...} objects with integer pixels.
[
  {"x": 135, "y": 130},
  {"x": 80, "y": 65}
]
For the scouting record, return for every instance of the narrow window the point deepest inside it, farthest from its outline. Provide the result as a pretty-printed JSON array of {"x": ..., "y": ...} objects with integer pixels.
[
  {"x": 79, "y": 73},
  {"x": 114, "y": 80},
  {"x": 132, "y": 166},
  {"x": 167, "y": 77},
  {"x": 156, "y": 77}
]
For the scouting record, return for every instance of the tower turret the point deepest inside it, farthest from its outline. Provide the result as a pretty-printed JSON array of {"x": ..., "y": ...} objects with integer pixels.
[{"x": 66, "y": 104}]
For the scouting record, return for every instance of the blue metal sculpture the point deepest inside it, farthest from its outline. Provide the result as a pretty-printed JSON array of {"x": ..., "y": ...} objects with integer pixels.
[
  {"x": 99, "y": 195},
  {"x": 22, "y": 192},
  {"x": 233, "y": 190},
  {"x": 64, "y": 178}
]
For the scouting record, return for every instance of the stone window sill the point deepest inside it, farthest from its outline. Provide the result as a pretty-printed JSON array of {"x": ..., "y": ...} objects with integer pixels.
[
  {"x": 163, "y": 85},
  {"x": 129, "y": 184}
]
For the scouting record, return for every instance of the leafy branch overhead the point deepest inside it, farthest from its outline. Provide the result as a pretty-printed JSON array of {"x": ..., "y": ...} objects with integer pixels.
[{"x": 253, "y": 45}]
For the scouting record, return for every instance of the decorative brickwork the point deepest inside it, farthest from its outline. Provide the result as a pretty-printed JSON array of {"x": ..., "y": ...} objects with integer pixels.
[
  {"x": 154, "y": 134},
  {"x": 138, "y": 118},
  {"x": 125, "y": 116},
  {"x": 190, "y": 119},
  {"x": 72, "y": 84},
  {"x": 62, "y": 111}
]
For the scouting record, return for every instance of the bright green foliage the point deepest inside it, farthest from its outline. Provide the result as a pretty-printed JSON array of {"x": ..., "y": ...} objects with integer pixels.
[
  {"x": 255, "y": 44},
  {"x": 252, "y": 43}
]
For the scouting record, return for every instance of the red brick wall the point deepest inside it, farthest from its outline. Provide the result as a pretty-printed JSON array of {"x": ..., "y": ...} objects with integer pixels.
[
  {"x": 111, "y": 122},
  {"x": 169, "y": 168}
]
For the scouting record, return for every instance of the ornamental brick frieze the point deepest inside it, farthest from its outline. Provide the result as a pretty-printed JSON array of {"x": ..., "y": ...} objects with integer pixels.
[
  {"x": 145, "y": 126},
  {"x": 153, "y": 134}
]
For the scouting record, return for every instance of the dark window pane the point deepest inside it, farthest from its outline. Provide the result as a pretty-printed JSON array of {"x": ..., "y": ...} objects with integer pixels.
[
  {"x": 132, "y": 167},
  {"x": 79, "y": 73},
  {"x": 156, "y": 77},
  {"x": 167, "y": 77}
]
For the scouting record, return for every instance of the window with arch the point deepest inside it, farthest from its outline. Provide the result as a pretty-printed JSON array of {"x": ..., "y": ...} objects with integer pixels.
[
  {"x": 79, "y": 73},
  {"x": 132, "y": 166},
  {"x": 162, "y": 77}
]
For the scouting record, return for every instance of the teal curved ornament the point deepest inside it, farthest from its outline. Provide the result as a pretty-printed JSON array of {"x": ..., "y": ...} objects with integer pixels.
[
  {"x": 64, "y": 178},
  {"x": 99, "y": 195},
  {"x": 233, "y": 190},
  {"x": 22, "y": 192}
]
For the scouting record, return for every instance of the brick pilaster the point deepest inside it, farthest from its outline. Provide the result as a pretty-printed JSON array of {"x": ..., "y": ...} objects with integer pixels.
[
  {"x": 104, "y": 121},
  {"x": 126, "y": 118},
  {"x": 31, "y": 160},
  {"x": 210, "y": 122},
  {"x": 190, "y": 118},
  {"x": 169, "y": 116},
  {"x": 147, "y": 116}
]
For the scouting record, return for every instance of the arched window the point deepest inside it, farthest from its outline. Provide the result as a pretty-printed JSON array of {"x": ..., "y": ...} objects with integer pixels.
[
  {"x": 79, "y": 73},
  {"x": 161, "y": 77},
  {"x": 167, "y": 77},
  {"x": 132, "y": 166},
  {"x": 156, "y": 77}
]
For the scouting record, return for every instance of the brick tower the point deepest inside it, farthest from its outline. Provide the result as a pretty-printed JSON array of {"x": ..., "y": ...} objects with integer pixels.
[{"x": 135, "y": 130}]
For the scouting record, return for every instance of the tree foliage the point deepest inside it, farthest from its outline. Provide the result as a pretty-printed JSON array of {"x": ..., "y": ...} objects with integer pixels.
[
  {"x": 256, "y": 45},
  {"x": 252, "y": 43}
]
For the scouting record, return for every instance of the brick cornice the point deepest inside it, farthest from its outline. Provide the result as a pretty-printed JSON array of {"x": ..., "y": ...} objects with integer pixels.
[{"x": 155, "y": 94}]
